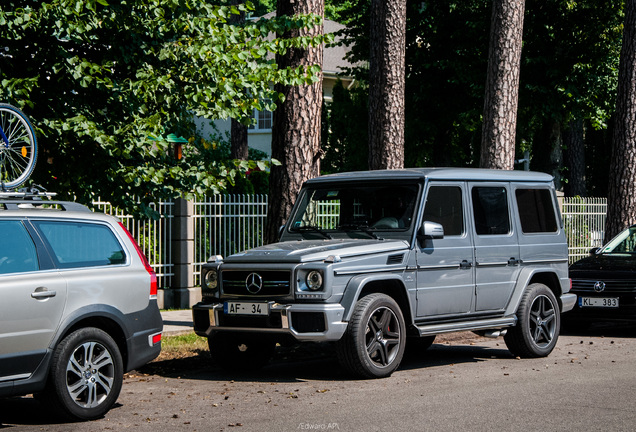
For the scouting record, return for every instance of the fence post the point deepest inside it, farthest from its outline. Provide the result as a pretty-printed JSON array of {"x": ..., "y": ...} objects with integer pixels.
[{"x": 183, "y": 292}]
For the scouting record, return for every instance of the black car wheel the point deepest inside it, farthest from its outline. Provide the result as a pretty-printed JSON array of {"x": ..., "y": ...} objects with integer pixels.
[
  {"x": 537, "y": 329},
  {"x": 373, "y": 344}
]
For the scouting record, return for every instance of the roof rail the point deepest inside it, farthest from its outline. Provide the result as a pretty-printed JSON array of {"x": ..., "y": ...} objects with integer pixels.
[{"x": 32, "y": 198}]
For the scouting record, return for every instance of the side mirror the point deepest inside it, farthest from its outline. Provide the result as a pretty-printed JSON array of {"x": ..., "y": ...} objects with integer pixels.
[
  {"x": 431, "y": 230},
  {"x": 281, "y": 230},
  {"x": 594, "y": 251}
]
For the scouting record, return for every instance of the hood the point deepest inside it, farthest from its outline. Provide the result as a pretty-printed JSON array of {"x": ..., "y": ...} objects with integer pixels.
[
  {"x": 609, "y": 266},
  {"x": 315, "y": 250}
]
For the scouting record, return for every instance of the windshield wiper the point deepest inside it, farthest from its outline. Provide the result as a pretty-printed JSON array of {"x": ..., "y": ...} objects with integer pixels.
[
  {"x": 311, "y": 228},
  {"x": 364, "y": 228}
]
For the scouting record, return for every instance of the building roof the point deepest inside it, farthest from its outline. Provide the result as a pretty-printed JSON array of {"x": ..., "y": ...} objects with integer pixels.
[{"x": 334, "y": 62}]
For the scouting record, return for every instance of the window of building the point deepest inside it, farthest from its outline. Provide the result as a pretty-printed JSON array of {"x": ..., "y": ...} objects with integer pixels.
[{"x": 263, "y": 120}]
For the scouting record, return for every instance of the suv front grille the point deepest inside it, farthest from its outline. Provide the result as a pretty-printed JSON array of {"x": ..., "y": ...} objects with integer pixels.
[
  {"x": 256, "y": 283},
  {"x": 616, "y": 286}
]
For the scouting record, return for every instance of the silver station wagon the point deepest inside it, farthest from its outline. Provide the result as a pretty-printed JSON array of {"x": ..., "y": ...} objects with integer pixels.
[
  {"x": 79, "y": 305},
  {"x": 379, "y": 260}
]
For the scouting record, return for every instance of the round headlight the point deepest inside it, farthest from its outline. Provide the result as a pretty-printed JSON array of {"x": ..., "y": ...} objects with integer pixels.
[
  {"x": 314, "y": 280},
  {"x": 211, "y": 280}
]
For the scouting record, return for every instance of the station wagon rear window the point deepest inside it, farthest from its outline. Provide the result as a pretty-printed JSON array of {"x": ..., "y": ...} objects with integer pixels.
[{"x": 81, "y": 244}]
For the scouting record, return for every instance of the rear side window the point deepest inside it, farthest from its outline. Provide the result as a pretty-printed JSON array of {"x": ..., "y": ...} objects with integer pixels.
[
  {"x": 536, "y": 211},
  {"x": 444, "y": 206},
  {"x": 82, "y": 244},
  {"x": 17, "y": 253},
  {"x": 490, "y": 209}
]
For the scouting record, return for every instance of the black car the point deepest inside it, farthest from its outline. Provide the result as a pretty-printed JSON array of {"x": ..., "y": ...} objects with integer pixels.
[{"x": 605, "y": 282}]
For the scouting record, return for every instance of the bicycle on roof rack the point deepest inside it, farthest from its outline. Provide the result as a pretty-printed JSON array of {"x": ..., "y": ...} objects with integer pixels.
[{"x": 18, "y": 147}]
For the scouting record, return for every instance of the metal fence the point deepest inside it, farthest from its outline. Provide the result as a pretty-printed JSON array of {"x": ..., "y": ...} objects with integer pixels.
[
  {"x": 584, "y": 220},
  {"x": 153, "y": 236},
  {"x": 227, "y": 224}
]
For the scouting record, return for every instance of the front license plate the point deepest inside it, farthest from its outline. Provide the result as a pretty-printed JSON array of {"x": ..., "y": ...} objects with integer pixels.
[
  {"x": 245, "y": 308},
  {"x": 598, "y": 302}
]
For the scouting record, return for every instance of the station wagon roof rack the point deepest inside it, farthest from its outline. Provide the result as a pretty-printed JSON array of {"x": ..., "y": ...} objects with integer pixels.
[{"x": 34, "y": 198}]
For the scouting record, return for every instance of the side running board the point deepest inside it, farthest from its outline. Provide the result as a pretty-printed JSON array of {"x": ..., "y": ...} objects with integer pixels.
[{"x": 483, "y": 324}]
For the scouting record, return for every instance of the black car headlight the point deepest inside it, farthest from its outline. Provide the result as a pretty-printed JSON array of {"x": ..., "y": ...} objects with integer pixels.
[
  {"x": 209, "y": 283},
  {"x": 211, "y": 280}
]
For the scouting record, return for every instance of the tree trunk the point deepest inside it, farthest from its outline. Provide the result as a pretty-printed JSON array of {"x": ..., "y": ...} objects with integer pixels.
[
  {"x": 296, "y": 124},
  {"x": 502, "y": 85},
  {"x": 386, "y": 84},
  {"x": 621, "y": 200},
  {"x": 238, "y": 131},
  {"x": 239, "y": 148},
  {"x": 573, "y": 138}
]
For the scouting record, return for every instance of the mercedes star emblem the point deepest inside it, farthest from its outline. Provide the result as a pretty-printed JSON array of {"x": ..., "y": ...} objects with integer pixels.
[
  {"x": 599, "y": 286},
  {"x": 254, "y": 283}
]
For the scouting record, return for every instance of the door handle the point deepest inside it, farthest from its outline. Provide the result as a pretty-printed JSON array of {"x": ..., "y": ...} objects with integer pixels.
[
  {"x": 465, "y": 264},
  {"x": 514, "y": 261},
  {"x": 43, "y": 294}
]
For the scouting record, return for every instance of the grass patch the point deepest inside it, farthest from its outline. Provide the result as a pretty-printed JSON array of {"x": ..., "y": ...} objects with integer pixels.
[{"x": 183, "y": 345}]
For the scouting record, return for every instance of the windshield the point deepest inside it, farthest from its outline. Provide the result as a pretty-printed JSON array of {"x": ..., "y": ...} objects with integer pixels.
[
  {"x": 364, "y": 209},
  {"x": 625, "y": 242}
]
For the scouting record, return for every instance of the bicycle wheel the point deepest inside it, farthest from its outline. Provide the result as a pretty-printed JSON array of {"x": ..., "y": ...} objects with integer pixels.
[{"x": 18, "y": 148}]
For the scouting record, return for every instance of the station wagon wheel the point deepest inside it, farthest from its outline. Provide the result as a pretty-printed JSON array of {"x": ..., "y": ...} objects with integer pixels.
[
  {"x": 538, "y": 326},
  {"x": 373, "y": 344},
  {"x": 86, "y": 375}
]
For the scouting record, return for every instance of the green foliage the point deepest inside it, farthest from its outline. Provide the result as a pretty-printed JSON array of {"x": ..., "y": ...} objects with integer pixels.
[
  {"x": 99, "y": 78},
  {"x": 569, "y": 70},
  {"x": 570, "y": 62},
  {"x": 346, "y": 147},
  {"x": 446, "y": 58}
]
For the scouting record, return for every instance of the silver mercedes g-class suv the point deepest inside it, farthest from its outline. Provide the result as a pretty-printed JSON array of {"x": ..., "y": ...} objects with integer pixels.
[{"x": 377, "y": 260}]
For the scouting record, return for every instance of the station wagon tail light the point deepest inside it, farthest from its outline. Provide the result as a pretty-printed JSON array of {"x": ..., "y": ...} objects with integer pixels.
[
  {"x": 154, "y": 339},
  {"x": 144, "y": 260}
]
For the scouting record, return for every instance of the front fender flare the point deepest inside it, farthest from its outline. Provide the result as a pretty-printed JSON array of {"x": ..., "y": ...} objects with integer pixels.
[{"x": 357, "y": 283}]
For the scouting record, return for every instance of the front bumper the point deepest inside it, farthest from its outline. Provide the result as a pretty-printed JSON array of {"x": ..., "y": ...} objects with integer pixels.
[
  {"x": 626, "y": 311},
  {"x": 305, "y": 322}
]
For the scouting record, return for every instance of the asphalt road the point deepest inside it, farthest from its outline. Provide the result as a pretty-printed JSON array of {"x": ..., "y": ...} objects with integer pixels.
[{"x": 587, "y": 384}]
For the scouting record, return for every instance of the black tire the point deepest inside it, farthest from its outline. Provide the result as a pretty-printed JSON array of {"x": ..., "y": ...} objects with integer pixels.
[
  {"x": 86, "y": 375},
  {"x": 19, "y": 154},
  {"x": 373, "y": 344},
  {"x": 241, "y": 351},
  {"x": 538, "y": 325}
]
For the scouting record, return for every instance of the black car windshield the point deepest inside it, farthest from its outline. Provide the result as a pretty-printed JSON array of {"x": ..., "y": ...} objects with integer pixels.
[
  {"x": 623, "y": 243},
  {"x": 361, "y": 208}
]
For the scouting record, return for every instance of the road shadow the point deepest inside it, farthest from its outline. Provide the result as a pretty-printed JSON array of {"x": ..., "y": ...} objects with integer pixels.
[
  {"x": 28, "y": 411},
  {"x": 598, "y": 329},
  {"x": 314, "y": 361}
]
